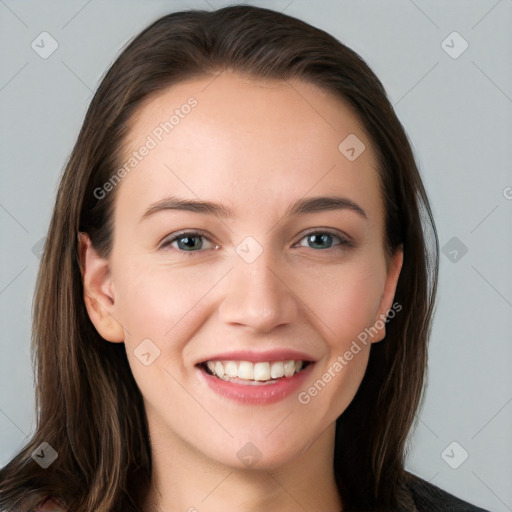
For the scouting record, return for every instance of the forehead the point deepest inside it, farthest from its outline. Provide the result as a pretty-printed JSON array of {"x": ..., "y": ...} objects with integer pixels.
[{"x": 251, "y": 144}]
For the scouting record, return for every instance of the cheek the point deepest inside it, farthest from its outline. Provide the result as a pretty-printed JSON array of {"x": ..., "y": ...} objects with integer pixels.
[
  {"x": 348, "y": 309},
  {"x": 160, "y": 309},
  {"x": 157, "y": 302},
  {"x": 347, "y": 301},
  {"x": 344, "y": 302}
]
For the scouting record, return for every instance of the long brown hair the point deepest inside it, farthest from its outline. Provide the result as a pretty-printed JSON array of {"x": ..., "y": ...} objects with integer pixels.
[{"x": 88, "y": 406}]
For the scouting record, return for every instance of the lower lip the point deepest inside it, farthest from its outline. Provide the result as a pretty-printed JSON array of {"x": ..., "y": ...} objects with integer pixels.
[{"x": 257, "y": 394}]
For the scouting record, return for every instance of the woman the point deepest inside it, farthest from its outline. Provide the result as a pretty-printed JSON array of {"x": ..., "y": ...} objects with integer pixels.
[{"x": 235, "y": 298}]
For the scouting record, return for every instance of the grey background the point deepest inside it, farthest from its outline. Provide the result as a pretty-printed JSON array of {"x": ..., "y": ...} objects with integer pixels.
[{"x": 458, "y": 114}]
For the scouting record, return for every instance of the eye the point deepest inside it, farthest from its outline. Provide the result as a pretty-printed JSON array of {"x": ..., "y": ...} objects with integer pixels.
[
  {"x": 192, "y": 241},
  {"x": 323, "y": 239},
  {"x": 187, "y": 241}
]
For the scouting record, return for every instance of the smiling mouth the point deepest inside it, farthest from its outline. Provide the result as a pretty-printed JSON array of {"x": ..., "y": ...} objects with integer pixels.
[{"x": 254, "y": 374}]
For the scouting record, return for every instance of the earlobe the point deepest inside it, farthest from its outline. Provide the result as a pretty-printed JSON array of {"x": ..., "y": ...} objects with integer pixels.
[
  {"x": 98, "y": 291},
  {"x": 393, "y": 273}
]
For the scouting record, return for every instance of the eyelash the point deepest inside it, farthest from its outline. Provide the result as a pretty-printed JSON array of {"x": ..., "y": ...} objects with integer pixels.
[{"x": 343, "y": 245}]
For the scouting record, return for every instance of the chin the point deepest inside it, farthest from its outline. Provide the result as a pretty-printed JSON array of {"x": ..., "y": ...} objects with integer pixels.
[{"x": 260, "y": 454}]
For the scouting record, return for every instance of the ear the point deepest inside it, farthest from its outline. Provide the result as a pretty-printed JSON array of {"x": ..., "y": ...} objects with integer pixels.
[
  {"x": 394, "y": 266},
  {"x": 98, "y": 291}
]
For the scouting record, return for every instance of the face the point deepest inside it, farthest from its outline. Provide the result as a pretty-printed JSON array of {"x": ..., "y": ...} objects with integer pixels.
[{"x": 255, "y": 283}]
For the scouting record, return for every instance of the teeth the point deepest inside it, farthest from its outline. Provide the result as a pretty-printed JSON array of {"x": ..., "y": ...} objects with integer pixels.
[
  {"x": 289, "y": 368},
  {"x": 231, "y": 369},
  {"x": 277, "y": 370},
  {"x": 219, "y": 369},
  {"x": 261, "y": 371},
  {"x": 245, "y": 370}
]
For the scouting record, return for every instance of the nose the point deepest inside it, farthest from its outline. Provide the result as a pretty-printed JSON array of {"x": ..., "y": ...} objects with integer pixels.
[{"x": 259, "y": 295}]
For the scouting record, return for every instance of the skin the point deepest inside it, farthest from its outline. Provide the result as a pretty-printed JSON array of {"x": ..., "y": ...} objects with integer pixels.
[{"x": 256, "y": 147}]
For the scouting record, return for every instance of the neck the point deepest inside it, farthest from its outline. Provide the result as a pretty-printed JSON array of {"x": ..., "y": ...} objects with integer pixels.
[{"x": 184, "y": 480}]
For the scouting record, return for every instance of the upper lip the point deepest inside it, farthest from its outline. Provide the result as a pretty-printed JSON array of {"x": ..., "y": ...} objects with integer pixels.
[{"x": 255, "y": 357}]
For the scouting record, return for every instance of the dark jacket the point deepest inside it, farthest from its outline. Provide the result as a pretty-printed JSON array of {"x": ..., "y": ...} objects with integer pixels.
[{"x": 426, "y": 497}]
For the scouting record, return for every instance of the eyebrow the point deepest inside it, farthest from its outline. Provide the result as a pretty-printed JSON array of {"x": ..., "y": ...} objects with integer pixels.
[{"x": 300, "y": 207}]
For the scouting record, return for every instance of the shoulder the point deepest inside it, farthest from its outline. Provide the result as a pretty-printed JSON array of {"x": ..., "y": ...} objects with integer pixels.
[
  {"x": 430, "y": 498},
  {"x": 50, "y": 504}
]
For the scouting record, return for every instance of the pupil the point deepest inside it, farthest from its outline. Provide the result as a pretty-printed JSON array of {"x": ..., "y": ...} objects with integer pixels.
[
  {"x": 319, "y": 239},
  {"x": 189, "y": 244}
]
